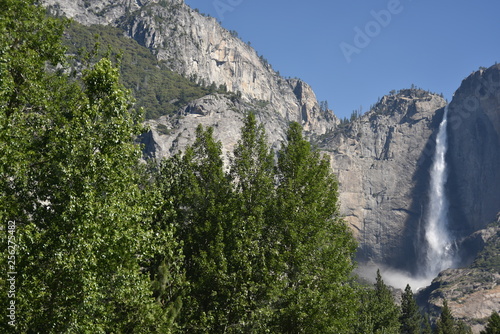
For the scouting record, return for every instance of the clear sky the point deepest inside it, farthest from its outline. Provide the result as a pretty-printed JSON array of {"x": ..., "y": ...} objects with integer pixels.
[{"x": 352, "y": 52}]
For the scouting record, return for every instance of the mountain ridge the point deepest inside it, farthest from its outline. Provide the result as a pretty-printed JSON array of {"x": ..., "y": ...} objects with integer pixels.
[{"x": 197, "y": 47}]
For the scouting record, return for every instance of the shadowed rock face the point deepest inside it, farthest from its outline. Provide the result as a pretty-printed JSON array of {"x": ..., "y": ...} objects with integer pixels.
[{"x": 474, "y": 151}]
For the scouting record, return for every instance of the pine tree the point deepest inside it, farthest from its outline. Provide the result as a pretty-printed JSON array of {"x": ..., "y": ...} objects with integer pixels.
[
  {"x": 385, "y": 309},
  {"x": 493, "y": 326},
  {"x": 446, "y": 322},
  {"x": 377, "y": 311},
  {"x": 426, "y": 324},
  {"x": 410, "y": 316},
  {"x": 462, "y": 328}
]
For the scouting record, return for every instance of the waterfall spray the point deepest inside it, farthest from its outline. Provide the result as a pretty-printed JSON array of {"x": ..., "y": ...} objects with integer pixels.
[{"x": 439, "y": 253}]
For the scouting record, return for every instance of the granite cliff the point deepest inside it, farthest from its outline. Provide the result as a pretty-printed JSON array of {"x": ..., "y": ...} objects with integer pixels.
[
  {"x": 197, "y": 47},
  {"x": 381, "y": 160},
  {"x": 474, "y": 151}
]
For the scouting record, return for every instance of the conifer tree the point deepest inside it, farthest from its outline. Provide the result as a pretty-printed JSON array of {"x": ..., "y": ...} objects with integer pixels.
[
  {"x": 378, "y": 312},
  {"x": 493, "y": 326},
  {"x": 426, "y": 324},
  {"x": 462, "y": 328},
  {"x": 410, "y": 316},
  {"x": 385, "y": 309},
  {"x": 447, "y": 324}
]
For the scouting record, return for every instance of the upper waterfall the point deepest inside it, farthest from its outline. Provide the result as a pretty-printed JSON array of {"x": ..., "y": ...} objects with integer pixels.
[{"x": 438, "y": 251}]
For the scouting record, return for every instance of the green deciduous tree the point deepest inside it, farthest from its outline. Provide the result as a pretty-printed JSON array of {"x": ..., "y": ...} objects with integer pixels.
[
  {"x": 69, "y": 180},
  {"x": 250, "y": 239},
  {"x": 264, "y": 247},
  {"x": 198, "y": 191}
]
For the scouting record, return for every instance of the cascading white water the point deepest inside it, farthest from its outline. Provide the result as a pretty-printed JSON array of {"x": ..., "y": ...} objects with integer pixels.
[{"x": 439, "y": 253}]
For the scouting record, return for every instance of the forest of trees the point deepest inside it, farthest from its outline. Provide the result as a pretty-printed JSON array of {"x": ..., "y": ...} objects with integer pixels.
[{"x": 98, "y": 242}]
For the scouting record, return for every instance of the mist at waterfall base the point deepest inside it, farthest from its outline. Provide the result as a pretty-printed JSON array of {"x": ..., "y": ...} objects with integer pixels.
[{"x": 437, "y": 251}]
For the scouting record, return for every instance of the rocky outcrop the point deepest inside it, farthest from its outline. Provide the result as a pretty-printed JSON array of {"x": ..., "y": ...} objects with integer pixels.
[
  {"x": 472, "y": 294},
  {"x": 197, "y": 47},
  {"x": 474, "y": 151},
  {"x": 169, "y": 135},
  {"x": 94, "y": 12},
  {"x": 381, "y": 160}
]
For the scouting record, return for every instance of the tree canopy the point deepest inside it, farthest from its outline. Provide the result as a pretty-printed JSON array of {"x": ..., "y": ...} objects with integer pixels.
[{"x": 70, "y": 182}]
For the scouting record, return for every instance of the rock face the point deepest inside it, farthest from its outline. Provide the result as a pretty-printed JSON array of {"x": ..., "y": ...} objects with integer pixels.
[
  {"x": 94, "y": 12},
  {"x": 197, "y": 47},
  {"x": 170, "y": 135},
  {"x": 381, "y": 160},
  {"x": 474, "y": 151}
]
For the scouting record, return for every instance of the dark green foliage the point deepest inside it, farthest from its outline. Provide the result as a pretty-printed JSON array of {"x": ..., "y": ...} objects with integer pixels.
[
  {"x": 426, "y": 324},
  {"x": 378, "y": 312},
  {"x": 265, "y": 250},
  {"x": 410, "y": 317},
  {"x": 197, "y": 189},
  {"x": 314, "y": 244},
  {"x": 462, "y": 328},
  {"x": 156, "y": 89},
  {"x": 250, "y": 241},
  {"x": 493, "y": 326},
  {"x": 446, "y": 323}
]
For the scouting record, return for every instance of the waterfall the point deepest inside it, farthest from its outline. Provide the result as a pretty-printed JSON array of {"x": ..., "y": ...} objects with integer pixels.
[{"x": 438, "y": 252}]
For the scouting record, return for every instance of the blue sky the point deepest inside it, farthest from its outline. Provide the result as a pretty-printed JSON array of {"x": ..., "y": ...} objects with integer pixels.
[{"x": 352, "y": 52}]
